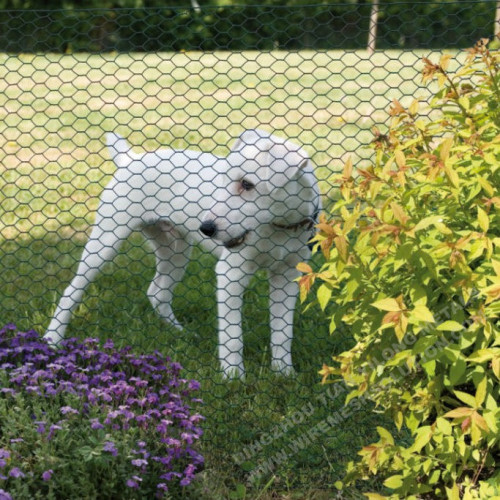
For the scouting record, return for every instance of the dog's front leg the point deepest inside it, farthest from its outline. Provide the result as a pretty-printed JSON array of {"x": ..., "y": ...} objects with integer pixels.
[
  {"x": 232, "y": 278},
  {"x": 283, "y": 296}
]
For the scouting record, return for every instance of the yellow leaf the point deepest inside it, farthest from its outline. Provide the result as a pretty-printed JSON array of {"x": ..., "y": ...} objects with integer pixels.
[
  {"x": 427, "y": 221},
  {"x": 347, "y": 172},
  {"x": 452, "y": 176},
  {"x": 479, "y": 421},
  {"x": 453, "y": 493},
  {"x": 495, "y": 366},
  {"x": 445, "y": 148},
  {"x": 444, "y": 62},
  {"x": 496, "y": 266},
  {"x": 398, "y": 420},
  {"x": 459, "y": 413},
  {"x": 387, "y": 304},
  {"x": 325, "y": 372},
  {"x": 441, "y": 80},
  {"x": 481, "y": 392},
  {"x": 422, "y": 313},
  {"x": 399, "y": 213},
  {"x": 483, "y": 220},
  {"x": 413, "y": 109},
  {"x": 400, "y": 158},
  {"x": 492, "y": 291},
  {"x": 486, "y": 186},
  {"x": 304, "y": 268}
]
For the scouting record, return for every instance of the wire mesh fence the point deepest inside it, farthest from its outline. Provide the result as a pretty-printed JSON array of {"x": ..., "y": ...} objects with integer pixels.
[{"x": 261, "y": 104}]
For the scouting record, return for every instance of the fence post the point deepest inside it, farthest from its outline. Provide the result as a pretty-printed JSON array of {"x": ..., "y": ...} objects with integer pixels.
[
  {"x": 496, "y": 28},
  {"x": 372, "y": 30}
]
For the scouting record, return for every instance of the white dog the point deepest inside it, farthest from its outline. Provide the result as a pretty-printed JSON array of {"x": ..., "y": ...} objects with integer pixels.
[{"x": 257, "y": 206}]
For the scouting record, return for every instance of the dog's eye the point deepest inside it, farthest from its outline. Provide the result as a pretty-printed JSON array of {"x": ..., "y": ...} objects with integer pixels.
[{"x": 246, "y": 185}]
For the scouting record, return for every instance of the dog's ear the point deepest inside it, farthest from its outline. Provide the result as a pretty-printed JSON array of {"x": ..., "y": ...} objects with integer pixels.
[
  {"x": 118, "y": 149},
  {"x": 282, "y": 158},
  {"x": 254, "y": 137},
  {"x": 285, "y": 160}
]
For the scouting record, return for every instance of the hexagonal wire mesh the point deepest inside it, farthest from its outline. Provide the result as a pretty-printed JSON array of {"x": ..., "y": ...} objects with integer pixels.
[{"x": 195, "y": 79}]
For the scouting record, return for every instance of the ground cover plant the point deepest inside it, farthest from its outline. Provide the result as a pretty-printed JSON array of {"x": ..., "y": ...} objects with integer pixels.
[
  {"x": 412, "y": 253},
  {"x": 97, "y": 422}
]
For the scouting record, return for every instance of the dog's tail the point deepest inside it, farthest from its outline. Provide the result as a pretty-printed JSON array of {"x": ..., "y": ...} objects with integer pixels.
[{"x": 118, "y": 149}]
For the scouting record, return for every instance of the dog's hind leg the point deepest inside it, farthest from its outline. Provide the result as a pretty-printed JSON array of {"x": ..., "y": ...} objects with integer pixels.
[
  {"x": 102, "y": 246},
  {"x": 172, "y": 255}
]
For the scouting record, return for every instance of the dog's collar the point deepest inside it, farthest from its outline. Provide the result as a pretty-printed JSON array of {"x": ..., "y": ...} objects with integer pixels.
[{"x": 308, "y": 222}]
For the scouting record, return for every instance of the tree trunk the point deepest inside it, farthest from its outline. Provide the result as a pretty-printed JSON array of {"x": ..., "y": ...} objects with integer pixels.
[{"x": 372, "y": 30}]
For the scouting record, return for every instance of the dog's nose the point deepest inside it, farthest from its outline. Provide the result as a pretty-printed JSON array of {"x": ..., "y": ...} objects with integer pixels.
[{"x": 208, "y": 228}]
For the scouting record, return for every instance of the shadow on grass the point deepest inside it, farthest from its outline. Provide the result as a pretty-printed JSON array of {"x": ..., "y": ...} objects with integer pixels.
[{"x": 288, "y": 429}]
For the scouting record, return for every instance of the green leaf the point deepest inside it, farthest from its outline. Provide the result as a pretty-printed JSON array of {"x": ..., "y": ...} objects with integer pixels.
[
  {"x": 457, "y": 371},
  {"x": 468, "y": 399},
  {"x": 483, "y": 220},
  {"x": 385, "y": 435},
  {"x": 324, "y": 295},
  {"x": 394, "y": 482},
  {"x": 424, "y": 435},
  {"x": 450, "y": 326},
  {"x": 444, "y": 426}
]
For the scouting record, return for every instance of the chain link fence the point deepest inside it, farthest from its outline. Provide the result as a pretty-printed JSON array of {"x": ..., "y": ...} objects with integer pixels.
[{"x": 196, "y": 78}]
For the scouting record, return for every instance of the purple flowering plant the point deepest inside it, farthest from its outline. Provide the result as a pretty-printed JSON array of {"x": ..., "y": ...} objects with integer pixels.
[{"x": 93, "y": 421}]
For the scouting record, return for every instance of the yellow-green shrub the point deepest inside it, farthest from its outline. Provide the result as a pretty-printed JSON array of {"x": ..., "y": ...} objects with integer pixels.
[{"x": 412, "y": 253}]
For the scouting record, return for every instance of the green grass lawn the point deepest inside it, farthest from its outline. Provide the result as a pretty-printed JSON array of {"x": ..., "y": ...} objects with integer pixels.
[{"x": 54, "y": 111}]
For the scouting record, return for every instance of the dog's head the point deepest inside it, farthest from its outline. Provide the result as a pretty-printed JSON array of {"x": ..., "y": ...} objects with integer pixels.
[{"x": 260, "y": 182}]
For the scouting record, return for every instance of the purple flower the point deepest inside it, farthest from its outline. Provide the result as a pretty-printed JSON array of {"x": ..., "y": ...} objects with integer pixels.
[
  {"x": 40, "y": 427},
  {"x": 134, "y": 481},
  {"x": 52, "y": 430},
  {"x": 67, "y": 409},
  {"x": 110, "y": 447},
  {"x": 95, "y": 424},
  {"x": 4, "y": 495},
  {"x": 47, "y": 475},
  {"x": 143, "y": 393},
  {"x": 16, "y": 472}
]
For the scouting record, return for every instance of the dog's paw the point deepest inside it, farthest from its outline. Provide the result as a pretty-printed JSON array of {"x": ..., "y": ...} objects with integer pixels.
[
  {"x": 283, "y": 369},
  {"x": 52, "y": 338},
  {"x": 233, "y": 372}
]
